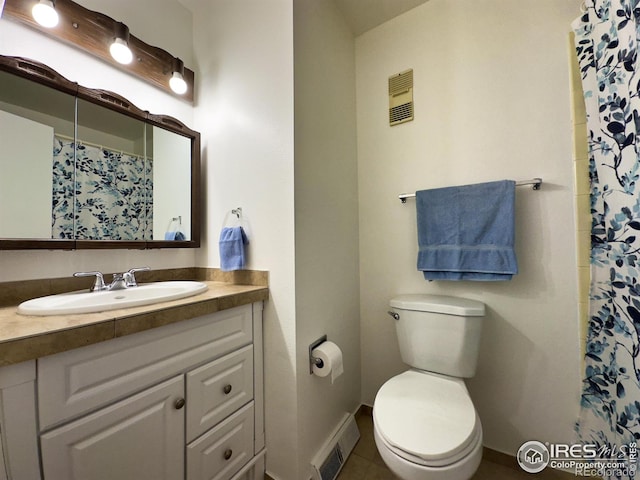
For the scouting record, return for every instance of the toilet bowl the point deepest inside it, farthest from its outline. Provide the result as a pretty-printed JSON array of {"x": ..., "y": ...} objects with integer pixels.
[
  {"x": 425, "y": 424},
  {"x": 426, "y": 427}
]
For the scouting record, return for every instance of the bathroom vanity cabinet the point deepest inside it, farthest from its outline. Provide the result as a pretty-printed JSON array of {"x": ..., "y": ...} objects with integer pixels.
[{"x": 182, "y": 401}]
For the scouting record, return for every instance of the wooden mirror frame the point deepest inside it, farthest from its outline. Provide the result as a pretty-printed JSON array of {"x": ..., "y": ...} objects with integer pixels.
[{"x": 45, "y": 75}]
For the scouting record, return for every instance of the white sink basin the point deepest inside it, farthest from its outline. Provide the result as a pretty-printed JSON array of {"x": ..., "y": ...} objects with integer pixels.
[{"x": 90, "y": 302}]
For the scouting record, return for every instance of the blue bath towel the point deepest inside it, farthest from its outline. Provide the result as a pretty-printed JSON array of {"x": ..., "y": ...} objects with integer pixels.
[
  {"x": 232, "y": 243},
  {"x": 467, "y": 232}
]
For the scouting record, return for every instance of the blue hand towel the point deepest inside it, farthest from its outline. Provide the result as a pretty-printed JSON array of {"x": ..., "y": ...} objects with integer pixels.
[
  {"x": 467, "y": 232},
  {"x": 232, "y": 242},
  {"x": 175, "y": 235}
]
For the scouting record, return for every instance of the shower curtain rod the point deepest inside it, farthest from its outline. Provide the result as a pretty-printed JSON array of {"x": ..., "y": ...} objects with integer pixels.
[
  {"x": 535, "y": 182},
  {"x": 101, "y": 147}
]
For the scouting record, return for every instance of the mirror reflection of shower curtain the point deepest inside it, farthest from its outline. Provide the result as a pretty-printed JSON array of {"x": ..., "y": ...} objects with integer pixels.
[
  {"x": 607, "y": 50},
  {"x": 111, "y": 199}
]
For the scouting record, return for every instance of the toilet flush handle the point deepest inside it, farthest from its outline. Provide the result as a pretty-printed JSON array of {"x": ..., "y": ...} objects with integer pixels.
[{"x": 394, "y": 315}]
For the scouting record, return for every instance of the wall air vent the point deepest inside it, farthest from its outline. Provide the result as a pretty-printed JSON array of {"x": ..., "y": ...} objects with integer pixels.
[{"x": 401, "y": 97}]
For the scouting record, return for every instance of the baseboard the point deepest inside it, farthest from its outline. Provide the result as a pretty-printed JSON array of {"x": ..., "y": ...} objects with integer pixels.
[{"x": 364, "y": 410}]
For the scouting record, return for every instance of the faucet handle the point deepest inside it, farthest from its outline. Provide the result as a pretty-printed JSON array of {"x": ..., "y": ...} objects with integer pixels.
[
  {"x": 130, "y": 277},
  {"x": 98, "y": 284}
]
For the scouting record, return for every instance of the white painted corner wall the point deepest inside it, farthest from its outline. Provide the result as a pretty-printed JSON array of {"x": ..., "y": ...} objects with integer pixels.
[
  {"x": 244, "y": 52},
  {"x": 491, "y": 102},
  {"x": 326, "y": 218}
]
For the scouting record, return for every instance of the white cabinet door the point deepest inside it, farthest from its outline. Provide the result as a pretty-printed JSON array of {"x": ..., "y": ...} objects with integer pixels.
[
  {"x": 3, "y": 469},
  {"x": 140, "y": 437},
  {"x": 18, "y": 422}
]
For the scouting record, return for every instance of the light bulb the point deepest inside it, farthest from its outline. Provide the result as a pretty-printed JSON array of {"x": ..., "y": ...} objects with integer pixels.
[
  {"x": 119, "y": 49},
  {"x": 45, "y": 13},
  {"x": 121, "y": 52},
  {"x": 177, "y": 83}
]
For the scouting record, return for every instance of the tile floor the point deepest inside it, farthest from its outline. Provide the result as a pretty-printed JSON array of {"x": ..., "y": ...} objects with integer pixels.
[{"x": 365, "y": 462}]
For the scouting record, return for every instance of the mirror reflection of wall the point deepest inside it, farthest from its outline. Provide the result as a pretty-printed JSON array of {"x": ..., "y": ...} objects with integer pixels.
[
  {"x": 171, "y": 173},
  {"x": 25, "y": 183},
  {"x": 30, "y": 115}
]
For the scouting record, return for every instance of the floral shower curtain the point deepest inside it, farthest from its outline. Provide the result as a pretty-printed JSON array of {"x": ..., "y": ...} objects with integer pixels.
[
  {"x": 101, "y": 195},
  {"x": 607, "y": 39}
]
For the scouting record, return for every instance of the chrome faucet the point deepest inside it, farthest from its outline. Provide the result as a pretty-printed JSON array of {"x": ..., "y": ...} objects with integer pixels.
[
  {"x": 120, "y": 281},
  {"x": 98, "y": 285}
]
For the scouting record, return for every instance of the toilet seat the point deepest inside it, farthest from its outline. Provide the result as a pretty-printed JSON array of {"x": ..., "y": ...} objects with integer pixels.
[{"x": 427, "y": 418}]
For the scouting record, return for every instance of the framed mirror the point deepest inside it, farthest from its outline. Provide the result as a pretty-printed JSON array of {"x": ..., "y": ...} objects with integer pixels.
[{"x": 84, "y": 168}]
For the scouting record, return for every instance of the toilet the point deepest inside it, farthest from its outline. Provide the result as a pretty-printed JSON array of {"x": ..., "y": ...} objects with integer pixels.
[{"x": 425, "y": 424}]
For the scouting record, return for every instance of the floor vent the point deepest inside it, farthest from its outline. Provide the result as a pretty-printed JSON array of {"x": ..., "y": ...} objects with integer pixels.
[{"x": 332, "y": 456}]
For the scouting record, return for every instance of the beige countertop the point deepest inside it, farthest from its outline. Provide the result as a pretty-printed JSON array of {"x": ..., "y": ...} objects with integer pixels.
[{"x": 28, "y": 337}]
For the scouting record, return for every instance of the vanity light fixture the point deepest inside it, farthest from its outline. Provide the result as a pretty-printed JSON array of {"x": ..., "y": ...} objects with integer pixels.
[
  {"x": 119, "y": 49},
  {"x": 108, "y": 39},
  {"x": 177, "y": 83},
  {"x": 44, "y": 12}
]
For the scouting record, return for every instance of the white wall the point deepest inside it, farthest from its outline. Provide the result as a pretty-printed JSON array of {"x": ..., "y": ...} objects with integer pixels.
[
  {"x": 326, "y": 217},
  {"x": 19, "y": 40},
  {"x": 491, "y": 102},
  {"x": 244, "y": 52}
]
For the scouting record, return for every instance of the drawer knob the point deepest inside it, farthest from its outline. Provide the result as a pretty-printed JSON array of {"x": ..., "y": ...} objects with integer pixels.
[
  {"x": 227, "y": 389},
  {"x": 179, "y": 403},
  {"x": 227, "y": 453}
]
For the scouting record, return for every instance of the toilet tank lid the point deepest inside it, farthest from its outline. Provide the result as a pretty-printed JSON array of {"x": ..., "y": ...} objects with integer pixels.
[{"x": 463, "y": 307}]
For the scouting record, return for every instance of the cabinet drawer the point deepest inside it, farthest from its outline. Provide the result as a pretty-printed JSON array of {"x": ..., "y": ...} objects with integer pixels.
[
  {"x": 139, "y": 437},
  {"x": 223, "y": 450},
  {"x": 78, "y": 381},
  {"x": 218, "y": 389}
]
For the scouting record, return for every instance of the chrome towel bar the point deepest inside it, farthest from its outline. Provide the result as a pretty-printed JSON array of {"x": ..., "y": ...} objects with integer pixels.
[{"x": 534, "y": 182}]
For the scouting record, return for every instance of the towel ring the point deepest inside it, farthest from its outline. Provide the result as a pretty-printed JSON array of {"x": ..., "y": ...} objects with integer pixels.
[
  {"x": 233, "y": 218},
  {"x": 173, "y": 220}
]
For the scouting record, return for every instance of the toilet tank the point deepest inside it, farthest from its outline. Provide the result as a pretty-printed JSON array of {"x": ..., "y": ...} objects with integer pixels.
[{"x": 438, "y": 333}]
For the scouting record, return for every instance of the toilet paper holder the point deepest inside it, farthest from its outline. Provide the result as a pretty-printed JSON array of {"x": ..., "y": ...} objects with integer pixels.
[{"x": 313, "y": 361}]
